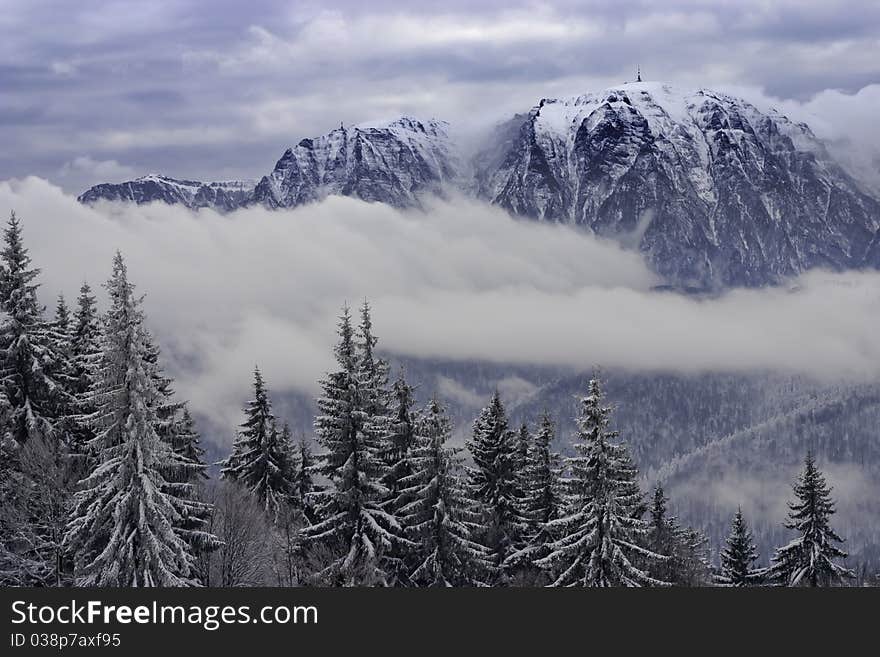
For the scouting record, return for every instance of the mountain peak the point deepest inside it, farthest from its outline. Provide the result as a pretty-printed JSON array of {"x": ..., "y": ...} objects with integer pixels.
[
  {"x": 394, "y": 161},
  {"x": 711, "y": 189}
]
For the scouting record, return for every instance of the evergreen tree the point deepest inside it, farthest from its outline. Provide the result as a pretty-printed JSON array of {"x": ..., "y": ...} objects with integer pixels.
[
  {"x": 188, "y": 444},
  {"x": 85, "y": 339},
  {"x": 168, "y": 409},
  {"x": 542, "y": 502},
  {"x": 175, "y": 426},
  {"x": 63, "y": 322},
  {"x": 691, "y": 559},
  {"x": 493, "y": 482},
  {"x": 398, "y": 443},
  {"x": 33, "y": 400},
  {"x": 663, "y": 536},
  {"x": 685, "y": 548},
  {"x": 305, "y": 487},
  {"x": 543, "y": 497},
  {"x": 353, "y": 525},
  {"x": 185, "y": 478},
  {"x": 375, "y": 400},
  {"x": 436, "y": 511},
  {"x": 29, "y": 359},
  {"x": 61, "y": 334},
  {"x": 400, "y": 439},
  {"x": 260, "y": 459},
  {"x": 372, "y": 375},
  {"x": 523, "y": 444},
  {"x": 85, "y": 362},
  {"x": 123, "y": 530},
  {"x": 599, "y": 535},
  {"x": 287, "y": 446},
  {"x": 808, "y": 560},
  {"x": 738, "y": 555}
]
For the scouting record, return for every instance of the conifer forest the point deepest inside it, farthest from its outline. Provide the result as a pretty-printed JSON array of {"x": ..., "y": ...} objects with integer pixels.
[{"x": 105, "y": 480}]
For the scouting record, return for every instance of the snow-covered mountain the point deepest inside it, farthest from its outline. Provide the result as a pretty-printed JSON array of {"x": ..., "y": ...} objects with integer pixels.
[
  {"x": 711, "y": 189},
  {"x": 222, "y": 196},
  {"x": 394, "y": 163},
  {"x": 714, "y": 191}
]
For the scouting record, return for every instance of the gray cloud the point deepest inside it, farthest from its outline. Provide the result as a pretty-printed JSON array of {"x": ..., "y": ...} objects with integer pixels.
[
  {"x": 168, "y": 86},
  {"x": 460, "y": 281}
]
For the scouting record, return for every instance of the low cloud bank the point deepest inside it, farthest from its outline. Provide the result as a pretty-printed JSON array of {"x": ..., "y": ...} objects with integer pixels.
[{"x": 460, "y": 281}]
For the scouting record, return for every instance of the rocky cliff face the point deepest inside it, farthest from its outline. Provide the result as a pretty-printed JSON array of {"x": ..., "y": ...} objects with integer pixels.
[
  {"x": 393, "y": 163},
  {"x": 712, "y": 190}
]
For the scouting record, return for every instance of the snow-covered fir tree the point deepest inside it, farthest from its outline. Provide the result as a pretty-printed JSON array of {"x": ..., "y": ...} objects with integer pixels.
[
  {"x": 123, "y": 529},
  {"x": 600, "y": 534},
  {"x": 168, "y": 409},
  {"x": 30, "y": 361},
  {"x": 85, "y": 346},
  {"x": 85, "y": 337},
  {"x": 399, "y": 440},
  {"x": 175, "y": 426},
  {"x": 61, "y": 334},
  {"x": 304, "y": 483},
  {"x": 739, "y": 555},
  {"x": 286, "y": 442},
  {"x": 692, "y": 562},
  {"x": 260, "y": 460},
  {"x": 436, "y": 513},
  {"x": 186, "y": 477},
  {"x": 35, "y": 404},
  {"x": 63, "y": 321},
  {"x": 686, "y": 548},
  {"x": 373, "y": 391},
  {"x": 809, "y": 559},
  {"x": 188, "y": 444},
  {"x": 523, "y": 444},
  {"x": 661, "y": 532},
  {"x": 353, "y": 527},
  {"x": 493, "y": 483},
  {"x": 542, "y": 501},
  {"x": 47, "y": 461}
]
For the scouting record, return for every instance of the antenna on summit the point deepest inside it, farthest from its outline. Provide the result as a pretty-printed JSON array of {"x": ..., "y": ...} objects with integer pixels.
[{"x": 638, "y": 73}]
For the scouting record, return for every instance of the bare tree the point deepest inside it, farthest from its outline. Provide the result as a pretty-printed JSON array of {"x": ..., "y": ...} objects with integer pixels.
[
  {"x": 244, "y": 558},
  {"x": 288, "y": 555}
]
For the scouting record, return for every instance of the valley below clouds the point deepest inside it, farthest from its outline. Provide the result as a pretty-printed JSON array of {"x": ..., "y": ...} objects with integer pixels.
[{"x": 459, "y": 281}]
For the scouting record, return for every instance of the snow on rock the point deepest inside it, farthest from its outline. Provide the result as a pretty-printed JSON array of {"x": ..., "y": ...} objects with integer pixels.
[
  {"x": 393, "y": 162},
  {"x": 714, "y": 191},
  {"x": 222, "y": 196}
]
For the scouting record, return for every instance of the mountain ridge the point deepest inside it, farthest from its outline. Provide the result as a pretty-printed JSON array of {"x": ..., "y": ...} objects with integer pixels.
[{"x": 711, "y": 190}]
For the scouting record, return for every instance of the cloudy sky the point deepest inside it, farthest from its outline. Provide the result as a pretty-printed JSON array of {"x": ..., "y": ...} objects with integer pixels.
[{"x": 101, "y": 90}]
